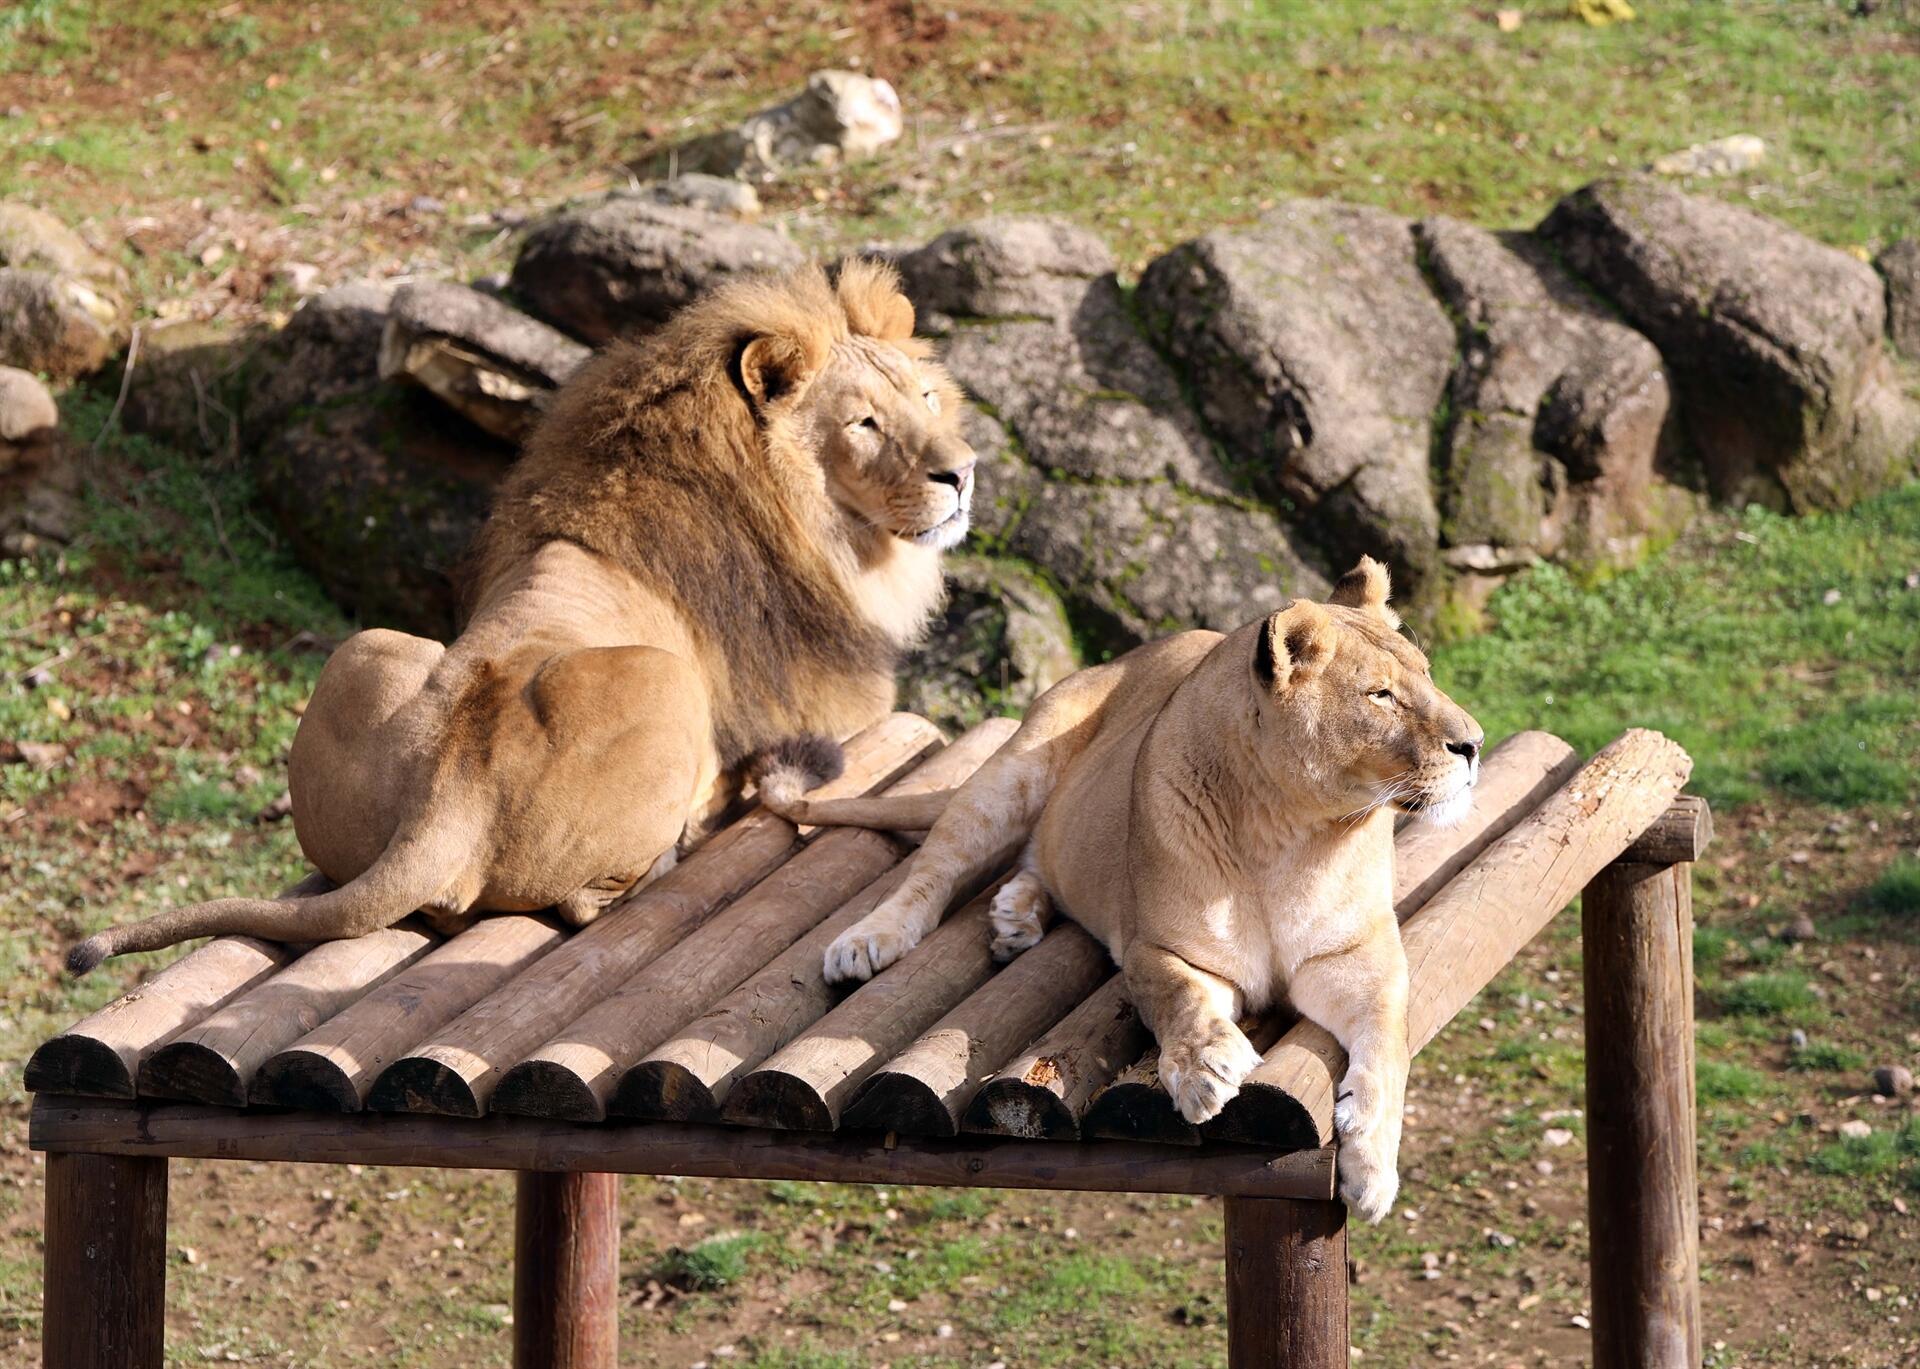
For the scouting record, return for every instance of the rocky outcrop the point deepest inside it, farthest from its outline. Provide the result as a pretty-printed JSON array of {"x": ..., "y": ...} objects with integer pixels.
[
  {"x": 1003, "y": 268},
  {"x": 840, "y": 116},
  {"x": 485, "y": 360},
  {"x": 1899, "y": 267},
  {"x": 39, "y": 479},
  {"x": 1776, "y": 342},
  {"x": 63, "y": 306},
  {"x": 1558, "y": 411},
  {"x": 626, "y": 264},
  {"x": 1317, "y": 353},
  {"x": 1001, "y": 641}
]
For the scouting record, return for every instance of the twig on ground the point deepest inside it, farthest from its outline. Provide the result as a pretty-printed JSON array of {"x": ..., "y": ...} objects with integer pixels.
[{"x": 126, "y": 383}]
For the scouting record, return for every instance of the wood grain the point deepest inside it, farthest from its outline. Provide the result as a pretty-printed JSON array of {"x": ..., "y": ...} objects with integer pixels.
[
  {"x": 1043, "y": 1092},
  {"x": 105, "y": 1267}
]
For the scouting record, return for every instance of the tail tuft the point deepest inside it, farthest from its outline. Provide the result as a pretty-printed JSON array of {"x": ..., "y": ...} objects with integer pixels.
[
  {"x": 87, "y": 954},
  {"x": 790, "y": 767}
]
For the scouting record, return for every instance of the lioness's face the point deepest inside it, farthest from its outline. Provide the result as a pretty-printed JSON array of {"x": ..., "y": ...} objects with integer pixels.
[
  {"x": 886, "y": 427},
  {"x": 1381, "y": 732}
]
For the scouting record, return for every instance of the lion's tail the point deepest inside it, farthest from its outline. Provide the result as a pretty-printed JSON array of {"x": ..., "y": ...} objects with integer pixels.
[
  {"x": 412, "y": 871},
  {"x": 785, "y": 771}
]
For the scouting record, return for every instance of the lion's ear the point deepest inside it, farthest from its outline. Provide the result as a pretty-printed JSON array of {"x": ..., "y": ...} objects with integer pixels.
[
  {"x": 1366, "y": 587},
  {"x": 1293, "y": 644},
  {"x": 876, "y": 306},
  {"x": 773, "y": 367}
]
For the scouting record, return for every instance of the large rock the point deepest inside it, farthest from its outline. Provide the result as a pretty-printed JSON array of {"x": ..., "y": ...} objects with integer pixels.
[
  {"x": 1001, "y": 641},
  {"x": 1558, "y": 409},
  {"x": 1775, "y": 340},
  {"x": 485, "y": 359},
  {"x": 329, "y": 349},
  {"x": 626, "y": 264},
  {"x": 1317, "y": 352},
  {"x": 840, "y": 116},
  {"x": 39, "y": 479},
  {"x": 63, "y": 306},
  {"x": 1899, "y": 267},
  {"x": 1004, "y": 268}
]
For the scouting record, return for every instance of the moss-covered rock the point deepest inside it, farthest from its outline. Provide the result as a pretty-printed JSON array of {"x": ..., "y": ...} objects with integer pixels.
[{"x": 1001, "y": 641}]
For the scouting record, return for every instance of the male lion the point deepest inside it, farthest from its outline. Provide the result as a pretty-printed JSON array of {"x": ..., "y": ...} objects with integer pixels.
[
  {"x": 1218, "y": 811},
  {"x": 722, "y": 536}
]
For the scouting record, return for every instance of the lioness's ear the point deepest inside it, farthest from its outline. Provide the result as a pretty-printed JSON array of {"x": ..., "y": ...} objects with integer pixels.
[
  {"x": 1367, "y": 586},
  {"x": 772, "y": 367},
  {"x": 1293, "y": 643}
]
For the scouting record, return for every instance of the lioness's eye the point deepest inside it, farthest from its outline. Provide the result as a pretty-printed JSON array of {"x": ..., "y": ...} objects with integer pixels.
[
  {"x": 933, "y": 401},
  {"x": 868, "y": 422},
  {"x": 1384, "y": 696}
]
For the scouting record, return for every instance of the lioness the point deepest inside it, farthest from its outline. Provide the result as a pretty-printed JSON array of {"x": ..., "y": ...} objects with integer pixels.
[
  {"x": 721, "y": 536},
  {"x": 1218, "y": 811}
]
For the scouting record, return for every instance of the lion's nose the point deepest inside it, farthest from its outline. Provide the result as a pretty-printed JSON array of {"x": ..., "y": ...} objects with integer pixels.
[
  {"x": 959, "y": 479},
  {"x": 1469, "y": 748}
]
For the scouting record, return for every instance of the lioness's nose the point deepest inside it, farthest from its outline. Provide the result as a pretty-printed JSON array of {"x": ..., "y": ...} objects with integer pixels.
[{"x": 1469, "y": 747}]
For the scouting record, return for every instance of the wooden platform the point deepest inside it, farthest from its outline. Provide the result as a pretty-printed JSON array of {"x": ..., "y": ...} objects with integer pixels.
[{"x": 689, "y": 1031}]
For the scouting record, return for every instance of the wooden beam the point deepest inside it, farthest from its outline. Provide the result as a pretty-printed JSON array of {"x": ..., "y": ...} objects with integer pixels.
[
  {"x": 808, "y": 1083},
  {"x": 574, "y": 1075},
  {"x": 923, "y": 1090},
  {"x": 105, "y": 1266},
  {"x": 111, "y": 1127},
  {"x": 1636, "y": 926},
  {"x": 1043, "y": 1092},
  {"x": 455, "y": 1071},
  {"x": 100, "y": 1055},
  {"x": 1136, "y": 1105},
  {"x": 1286, "y": 1285},
  {"x": 1468, "y": 932},
  {"x": 214, "y": 1060},
  {"x": 566, "y": 1271},
  {"x": 332, "y": 1067},
  {"x": 1677, "y": 836}
]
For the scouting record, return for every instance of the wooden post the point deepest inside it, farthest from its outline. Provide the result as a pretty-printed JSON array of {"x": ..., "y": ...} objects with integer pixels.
[
  {"x": 1286, "y": 1284},
  {"x": 1642, "y": 1203},
  {"x": 566, "y": 1271},
  {"x": 104, "y": 1305}
]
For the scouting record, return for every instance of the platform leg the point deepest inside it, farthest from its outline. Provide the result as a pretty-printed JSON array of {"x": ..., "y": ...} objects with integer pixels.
[
  {"x": 1286, "y": 1284},
  {"x": 105, "y": 1298},
  {"x": 566, "y": 1272},
  {"x": 1637, "y": 932}
]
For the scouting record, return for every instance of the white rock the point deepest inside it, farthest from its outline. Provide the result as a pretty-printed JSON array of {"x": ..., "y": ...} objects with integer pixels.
[{"x": 1721, "y": 157}]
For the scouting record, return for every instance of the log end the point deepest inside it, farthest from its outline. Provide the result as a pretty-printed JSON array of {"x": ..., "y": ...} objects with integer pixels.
[
  {"x": 1128, "y": 1111},
  {"x": 190, "y": 1071},
  {"x": 421, "y": 1084},
  {"x": 78, "y": 1065},
  {"x": 779, "y": 1101},
  {"x": 541, "y": 1088},
  {"x": 1013, "y": 1107},
  {"x": 901, "y": 1103},
  {"x": 1268, "y": 1117},
  {"x": 662, "y": 1091},
  {"x": 305, "y": 1080}
]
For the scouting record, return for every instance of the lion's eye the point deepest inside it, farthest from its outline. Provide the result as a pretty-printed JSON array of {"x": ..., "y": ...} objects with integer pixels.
[
  {"x": 933, "y": 401},
  {"x": 870, "y": 423},
  {"x": 1382, "y": 696}
]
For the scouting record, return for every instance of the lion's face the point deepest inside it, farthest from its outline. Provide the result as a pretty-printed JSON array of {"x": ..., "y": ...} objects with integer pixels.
[
  {"x": 1361, "y": 717},
  {"x": 885, "y": 426}
]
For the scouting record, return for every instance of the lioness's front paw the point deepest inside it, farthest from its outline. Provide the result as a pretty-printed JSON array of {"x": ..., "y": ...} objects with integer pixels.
[
  {"x": 861, "y": 952},
  {"x": 1019, "y": 916},
  {"x": 1369, "y": 1180},
  {"x": 1202, "y": 1076}
]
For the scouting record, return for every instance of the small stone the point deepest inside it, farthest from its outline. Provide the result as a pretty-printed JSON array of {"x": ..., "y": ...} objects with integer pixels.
[
  {"x": 1508, "y": 21},
  {"x": 1856, "y": 1130},
  {"x": 1894, "y": 1081},
  {"x": 1500, "y": 1240},
  {"x": 427, "y": 204},
  {"x": 1721, "y": 157},
  {"x": 1830, "y": 598},
  {"x": 896, "y": 1305},
  {"x": 1797, "y": 1039},
  {"x": 943, "y": 1331},
  {"x": 1581, "y": 1320},
  {"x": 1799, "y": 930},
  {"x": 1556, "y": 1136},
  {"x": 301, "y": 277},
  {"x": 1543, "y": 1167}
]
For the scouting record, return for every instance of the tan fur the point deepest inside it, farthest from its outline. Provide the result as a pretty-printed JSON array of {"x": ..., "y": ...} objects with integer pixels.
[
  {"x": 719, "y": 537},
  {"x": 1218, "y": 811}
]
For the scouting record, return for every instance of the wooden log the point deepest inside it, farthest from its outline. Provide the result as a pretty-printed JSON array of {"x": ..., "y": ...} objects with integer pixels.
[
  {"x": 1678, "y": 836},
  {"x": 1467, "y": 933},
  {"x": 807, "y": 1083},
  {"x": 1636, "y": 927},
  {"x": 1042, "y": 1093},
  {"x": 113, "y": 1127},
  {"x": 924, "y": 1090},
  {"x": 1137, "y": 1107},
  {"x": 455, "y": 1070},
  {"x": 215, "y": 1061},
  {"x": 333, "y": 1066},
  {"x": 566, "y": 1271},
  {"x": 105, "y": 1266},
  {"x": 101, "y": 1054},
  {"x": 573, "y": 1075},
  {"x": 1286, "y": 1285}
]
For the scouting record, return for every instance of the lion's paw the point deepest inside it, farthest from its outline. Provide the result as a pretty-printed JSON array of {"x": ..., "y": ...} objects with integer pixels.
[
  {"x": 861, "y": 952},
  {"x": 1369, "y": 1179},
  {"x": 1019, "y": 916},
  {"x": 1203, "y": 1076}
]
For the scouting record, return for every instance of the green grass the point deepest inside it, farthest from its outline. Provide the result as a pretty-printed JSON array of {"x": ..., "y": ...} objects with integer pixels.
[
  {"x": 714, "y": 1263},
  {"x": 1727, "y": 644},
  {"x": 1889, "y": 1150},
  {"x": 1826, "y": 1055},
  {"x": 1785, "y": 994},
  {"x": 1718, "y": 1081},
  {"x": 1896, "y": 892}
]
